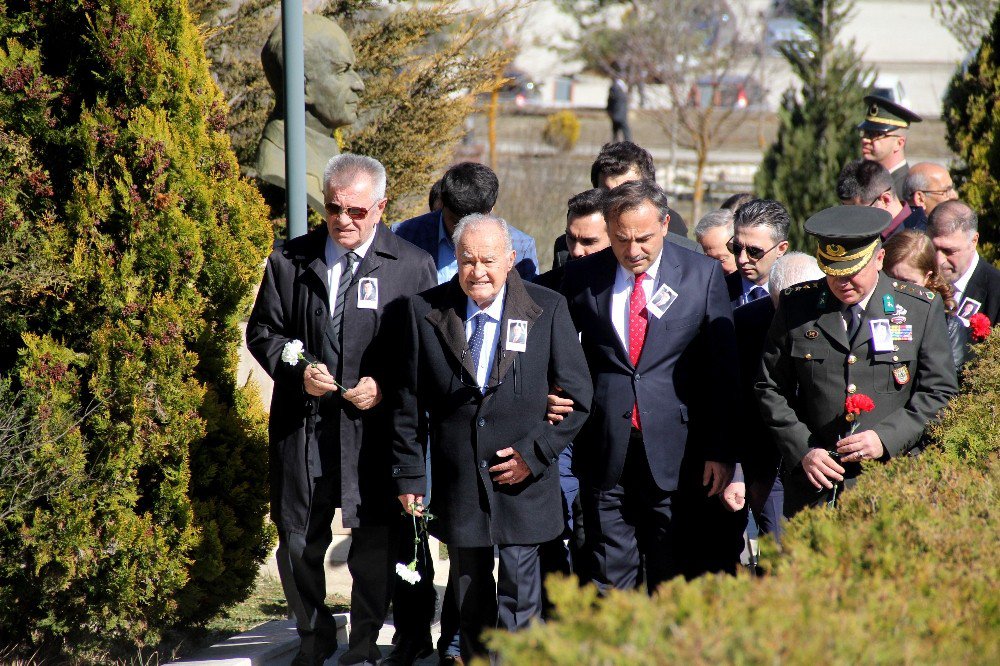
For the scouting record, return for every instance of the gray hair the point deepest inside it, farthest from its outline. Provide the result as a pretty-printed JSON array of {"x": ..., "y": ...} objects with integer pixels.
[
  {"x": 712, "y": 220},
  {"x": 951, "y": 216},
  {"x": 915, "y": 181},
  {"x": 345, "y": 168},
  {"x": 764, "y": 213},
  {"x": 791, "y": 269},
  {"x": 478, "y": 221}
]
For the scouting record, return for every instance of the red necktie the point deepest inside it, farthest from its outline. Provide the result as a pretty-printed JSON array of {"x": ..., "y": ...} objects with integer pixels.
[{"x": 637, "y": 321}]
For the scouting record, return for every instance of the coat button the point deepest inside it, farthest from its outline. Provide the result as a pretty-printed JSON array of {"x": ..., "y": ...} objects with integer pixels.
[
  {"x": 895, "y": 358},
  {"x": 554, "y": 459},
  {"x": 852, "y": 359},
  {"x": 638, "y": 376},
  {"x": 481, "y": 423},
  {"x": 808, "y": 356},
  {"x": 482, "y": 464},
  {"x": 319, "y": 311},
  {"x": 851, "y": 388},
  {"x": 395, "y": 470}
]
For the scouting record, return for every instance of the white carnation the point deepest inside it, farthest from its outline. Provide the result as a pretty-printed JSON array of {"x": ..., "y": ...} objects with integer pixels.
[
  {"x": 292, "y": 351},
  {"x": 411, "y": 576}
]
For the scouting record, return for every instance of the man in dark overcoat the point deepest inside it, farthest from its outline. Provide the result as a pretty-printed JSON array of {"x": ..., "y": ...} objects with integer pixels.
[
  {"x": 494, "y": 455},
  {"x": 328, "y": 448}
]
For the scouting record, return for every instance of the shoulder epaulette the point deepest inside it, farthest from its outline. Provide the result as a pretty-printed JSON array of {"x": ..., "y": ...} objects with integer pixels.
[
  {"x": 911, "y": 289},
  {"x": 803, "y": 286}
]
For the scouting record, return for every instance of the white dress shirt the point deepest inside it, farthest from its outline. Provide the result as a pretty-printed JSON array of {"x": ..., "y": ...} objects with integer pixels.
[
  {"x": 622, "y": 294},
  {"x": 962, "y": 283},
  {"x": 491, "y": 334},
  {"x": 336, "y": 262}
]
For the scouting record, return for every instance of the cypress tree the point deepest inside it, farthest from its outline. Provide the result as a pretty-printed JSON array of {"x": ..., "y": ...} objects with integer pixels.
[
  {"x": 122, "y": 206},
  {"x": 972, "y": 117},
  {"x": 816, "y": 130}
]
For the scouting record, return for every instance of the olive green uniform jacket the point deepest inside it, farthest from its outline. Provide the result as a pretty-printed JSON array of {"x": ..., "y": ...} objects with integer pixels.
[{"x": 808, "y": 370}]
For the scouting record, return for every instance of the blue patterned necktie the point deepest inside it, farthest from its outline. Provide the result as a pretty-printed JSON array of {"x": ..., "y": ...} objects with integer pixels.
[
  {"x": 755, "y": 293},
  {"x": 476, "y": 343}
]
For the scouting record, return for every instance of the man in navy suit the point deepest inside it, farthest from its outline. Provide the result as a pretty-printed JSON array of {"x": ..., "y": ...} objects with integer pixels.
[
  {"x": 662, "y": 378},
  {"x": 466, "y": 188}
]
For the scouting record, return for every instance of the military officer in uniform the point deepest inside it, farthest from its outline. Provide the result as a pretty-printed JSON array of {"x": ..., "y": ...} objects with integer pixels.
[
  {"x": 883, "y": 137},
  {"x": 822, "y": 347}
]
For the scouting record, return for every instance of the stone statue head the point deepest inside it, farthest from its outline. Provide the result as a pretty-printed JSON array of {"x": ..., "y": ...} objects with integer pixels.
[{"x": 331, "y": 84}]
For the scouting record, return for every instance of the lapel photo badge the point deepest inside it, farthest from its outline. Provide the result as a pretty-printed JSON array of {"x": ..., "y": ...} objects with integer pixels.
[
  {"x": 368, "y": 294},
  {"x": 969, "y": 307},
  {"x": 881, "y": 335},
  {"x": 517, "y": 335},
  {"x": 662, "y": 299}
]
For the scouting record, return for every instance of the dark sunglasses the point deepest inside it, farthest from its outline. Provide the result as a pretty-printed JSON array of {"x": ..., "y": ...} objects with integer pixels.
[
  {"x": 754, "y": 253},
  {"x": 874, "y": 136},
  {"x": 353, "y": 212}
]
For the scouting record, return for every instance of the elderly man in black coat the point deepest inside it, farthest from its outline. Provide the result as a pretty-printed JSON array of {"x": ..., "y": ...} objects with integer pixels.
[
  {"x": 329, "y": 447},
  {"x": 483, "y": 398}
]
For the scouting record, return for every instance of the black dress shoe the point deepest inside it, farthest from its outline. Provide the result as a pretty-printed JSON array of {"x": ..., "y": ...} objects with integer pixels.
[
  {"x": 408, "y": 650},
  {"x": 320, "y": 649}
]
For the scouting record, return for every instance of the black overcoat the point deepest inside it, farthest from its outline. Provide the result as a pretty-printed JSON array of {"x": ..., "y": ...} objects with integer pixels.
[
  {"x": 294, "y": 304},
  {"x": 467, "y": 428}
]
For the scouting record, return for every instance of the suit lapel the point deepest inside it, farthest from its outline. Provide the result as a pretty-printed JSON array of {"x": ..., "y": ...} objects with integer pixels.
[
  {"x": 831, "y": 322},
  {"x": 602, "y": 289},
  {"x": 449, "y": 322},
  {"x": 517, "y": 305}
]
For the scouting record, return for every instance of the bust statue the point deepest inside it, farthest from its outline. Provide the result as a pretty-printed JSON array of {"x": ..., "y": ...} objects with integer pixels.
[{"x": 331, "y": 96}]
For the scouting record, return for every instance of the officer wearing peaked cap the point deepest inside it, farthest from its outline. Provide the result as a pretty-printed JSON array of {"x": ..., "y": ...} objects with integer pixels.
[
  {"x": 883, "y": 137},
  {"x": 854, "y": 332}
]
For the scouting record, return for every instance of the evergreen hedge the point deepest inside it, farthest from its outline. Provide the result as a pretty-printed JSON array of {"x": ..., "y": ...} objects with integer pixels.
[
  {"x": 903, "y": 572},
  {"x": 138, "y": 246}
]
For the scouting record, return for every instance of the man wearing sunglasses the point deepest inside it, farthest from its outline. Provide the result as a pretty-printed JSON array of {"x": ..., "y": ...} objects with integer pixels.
[
  {"x": 866, "y": 183},
  {"x": 760, "y": 236},
  {"x": 328, "y": 427},
  {"x": 883, "y": 136}
]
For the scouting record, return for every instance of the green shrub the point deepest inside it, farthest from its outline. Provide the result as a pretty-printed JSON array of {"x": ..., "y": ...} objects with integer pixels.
[
  {"x": 122, "y": 207},
  {"x": 904, "y": 571},
  {"x": 562, "y": 130}
]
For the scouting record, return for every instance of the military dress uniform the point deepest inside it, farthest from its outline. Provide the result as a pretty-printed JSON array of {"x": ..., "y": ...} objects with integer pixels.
[
  {"x": 884, "y": 115},
  {"x": 810, "y": 366}
]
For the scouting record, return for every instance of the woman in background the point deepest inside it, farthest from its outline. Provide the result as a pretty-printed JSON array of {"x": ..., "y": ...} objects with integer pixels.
[{"x": 910, "y": 256}]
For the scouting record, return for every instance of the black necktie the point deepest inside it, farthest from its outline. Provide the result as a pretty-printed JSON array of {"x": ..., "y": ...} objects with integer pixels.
[
  {"x": 852, "y": 315},
  {"x": 476, "y": 345},
  {"x": 346, "y": 277}
]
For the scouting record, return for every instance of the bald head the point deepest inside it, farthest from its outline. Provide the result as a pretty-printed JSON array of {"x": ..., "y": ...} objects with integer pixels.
[{"x": 928, "y": 185}]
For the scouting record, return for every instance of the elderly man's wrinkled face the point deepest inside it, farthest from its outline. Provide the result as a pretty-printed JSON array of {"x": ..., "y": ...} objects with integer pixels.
[
  {"x": 850, "y": 289},
  {"x": 483, "y": 263},
  {"x": 714, "y": 242},
  {"x": 352, "y": 212}
]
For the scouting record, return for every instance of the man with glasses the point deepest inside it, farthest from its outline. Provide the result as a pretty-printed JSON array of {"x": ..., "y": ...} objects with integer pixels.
[
  {"x": 822, "y": 347},
  {"x": 480, "y": 399},
  {"x": 760, "y": 236},
  {"x": 328, "y": 427},
  {"x": 865, "y": 183},
  {"x": 883, "y": 136},
  {"x": 928, "y": 185}
]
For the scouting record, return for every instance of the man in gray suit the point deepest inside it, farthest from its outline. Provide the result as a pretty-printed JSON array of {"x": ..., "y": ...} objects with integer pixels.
[{"x": 328, "y": 445}]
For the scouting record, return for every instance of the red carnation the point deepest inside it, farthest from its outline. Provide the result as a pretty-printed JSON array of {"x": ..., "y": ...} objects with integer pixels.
[
  {"x": 857, "y": 403},
  {"x": 980, "y": 326}
]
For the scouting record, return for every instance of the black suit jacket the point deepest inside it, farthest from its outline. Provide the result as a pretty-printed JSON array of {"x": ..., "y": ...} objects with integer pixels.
[
  {"x": 752, "y": 322},
  {"x": 984, "y": 286},
  {"x": 685, "y": 379},
  {"x": 467, "y": 428},
  {"x": 293, "y": 304}
]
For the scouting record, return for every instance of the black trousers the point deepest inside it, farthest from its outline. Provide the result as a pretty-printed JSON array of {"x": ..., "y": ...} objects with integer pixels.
[
  {"x": 371, "y": 561},
  {"x": 509, "y": 603},
  {"x": 629, "y": 524}
]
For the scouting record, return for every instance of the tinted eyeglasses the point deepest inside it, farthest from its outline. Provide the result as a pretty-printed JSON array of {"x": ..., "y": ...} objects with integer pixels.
[
  {"x": 873, "y": 201},
  {"x": 754, "y": 253},
  {"x": 950, "y": 188},
  {"x": 875, "y": 136},
  {"x": 353, "y": 212}
]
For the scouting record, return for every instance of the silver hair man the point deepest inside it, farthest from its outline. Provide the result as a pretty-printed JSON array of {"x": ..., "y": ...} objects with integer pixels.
[
  {"x": 343, "y": 169},
  {"x": 477, "y": 221},
  {"x": 791, "y": 269}
]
